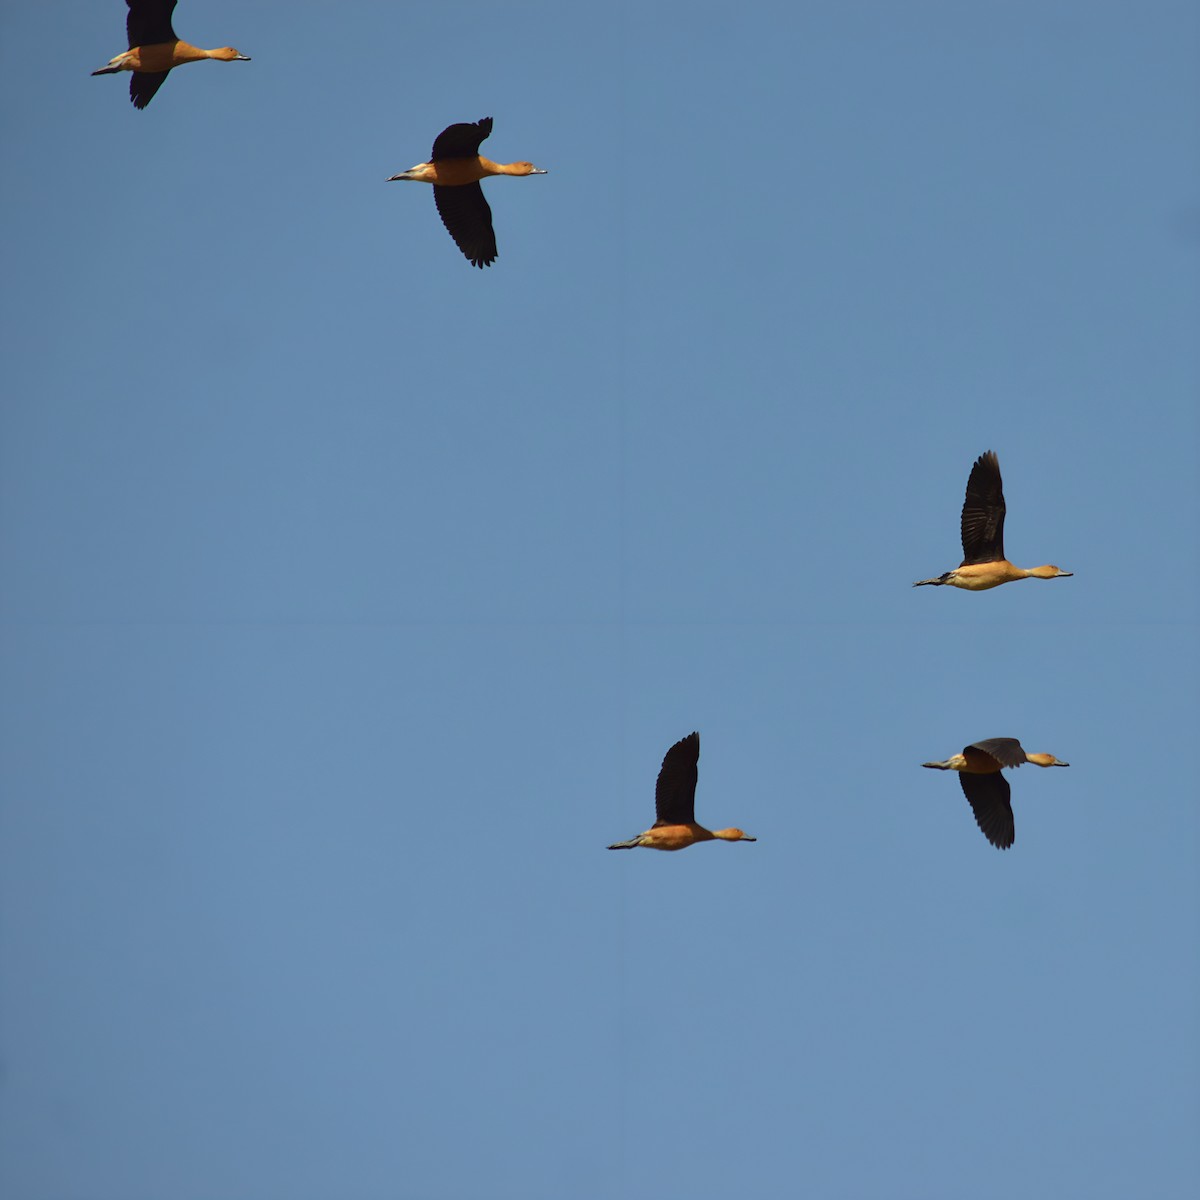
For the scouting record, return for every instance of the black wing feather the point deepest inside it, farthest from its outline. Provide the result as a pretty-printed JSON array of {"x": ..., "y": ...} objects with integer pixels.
[
  {"x": 460, "y": 141},
  {"x": 988, "y": 796},
  {"x": 1008, "y": 752},
  {"x": 143, "y": 85},
  {"x": 148, "y": 24},
  {"x": 983, "y": 513},
  {"x": 468, "y": 220},
  {"x": 675, "y": 792}
]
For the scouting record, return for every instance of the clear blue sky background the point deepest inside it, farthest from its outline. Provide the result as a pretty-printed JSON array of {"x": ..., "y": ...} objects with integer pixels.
[{"x": 351, "y": 597}]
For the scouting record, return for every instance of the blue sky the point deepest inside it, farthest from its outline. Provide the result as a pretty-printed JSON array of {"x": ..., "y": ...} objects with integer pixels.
[{"x": 352, "y": 597}]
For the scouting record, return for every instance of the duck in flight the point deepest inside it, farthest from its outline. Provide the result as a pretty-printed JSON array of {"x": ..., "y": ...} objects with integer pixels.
[
  {"x": 987, "y": 791},
  {"x": 455, "y": 168},
  {"x": 154, "y": 49},
  {"x": 984, "y": 565},
  {"x": 675, "y": 805}
]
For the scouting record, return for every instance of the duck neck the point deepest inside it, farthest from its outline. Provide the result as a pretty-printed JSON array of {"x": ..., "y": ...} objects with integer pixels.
[
  {"x": 494, "y": 168},
  {"x": 181, "y": 53}
]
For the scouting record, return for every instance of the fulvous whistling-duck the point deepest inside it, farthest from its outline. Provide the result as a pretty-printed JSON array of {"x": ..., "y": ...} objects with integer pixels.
[
  {"x": 984, "y": 565},
  {"x": 675, "y": 805},
  {"x": 455, "y": 168},
  {"x": 154, "y": 49},
  {"x": 978, "y": 768}
]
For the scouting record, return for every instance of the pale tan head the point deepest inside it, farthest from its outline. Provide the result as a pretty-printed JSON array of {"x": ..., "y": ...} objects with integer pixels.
[
  {"x": 228, "y": 54},
  {"x": 1045, "y": 760},
  {"x": 524, "y": 168},
  {"x": 733, "y": 835},
  {"x": 1048, "y": 572}
]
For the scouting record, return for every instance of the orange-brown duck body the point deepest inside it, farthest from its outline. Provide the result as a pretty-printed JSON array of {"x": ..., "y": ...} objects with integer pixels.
[
  {"x": 455, "y": 168},
  {"x": 986, "y": 789},
  {"x": 675, "y": 805},
  {"x": 154, "y": 50},
  {"x": 984, "y": 565}
]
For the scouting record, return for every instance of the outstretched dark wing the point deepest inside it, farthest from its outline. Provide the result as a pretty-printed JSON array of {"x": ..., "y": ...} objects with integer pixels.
[
  {"x": 468, "y": 219},
  {"x": 148, "y": 23},
  {"x": 1007, "y": 752},
  {"x": 983, "y": 513},
  {"x": 460, "y": 141},
  {"x": 143, "y": 85},
  {"x": 989, "y": 799},
  {"x": 675, "y": 792}
]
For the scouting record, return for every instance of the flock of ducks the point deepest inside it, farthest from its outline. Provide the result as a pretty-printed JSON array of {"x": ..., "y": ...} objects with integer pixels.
[
  {"x": 455, "y": 169},
  {"x": 979, "y": 765},
  {"x": 455, "y": 166}
]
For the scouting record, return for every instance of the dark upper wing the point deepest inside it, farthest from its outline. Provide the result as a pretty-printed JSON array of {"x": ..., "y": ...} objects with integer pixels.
[
  {"x": 675, "y": 792},
  {"x": 468, "y": 220},
  {"x": 1006, "y": 751},
  {"x": 989, "y": 799},
  {"x": 460, "y": 141},
  {"x": 983, "y": 513},
  {"x": 143, "y": 85},
  {"x": 148, "y": 23}
]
